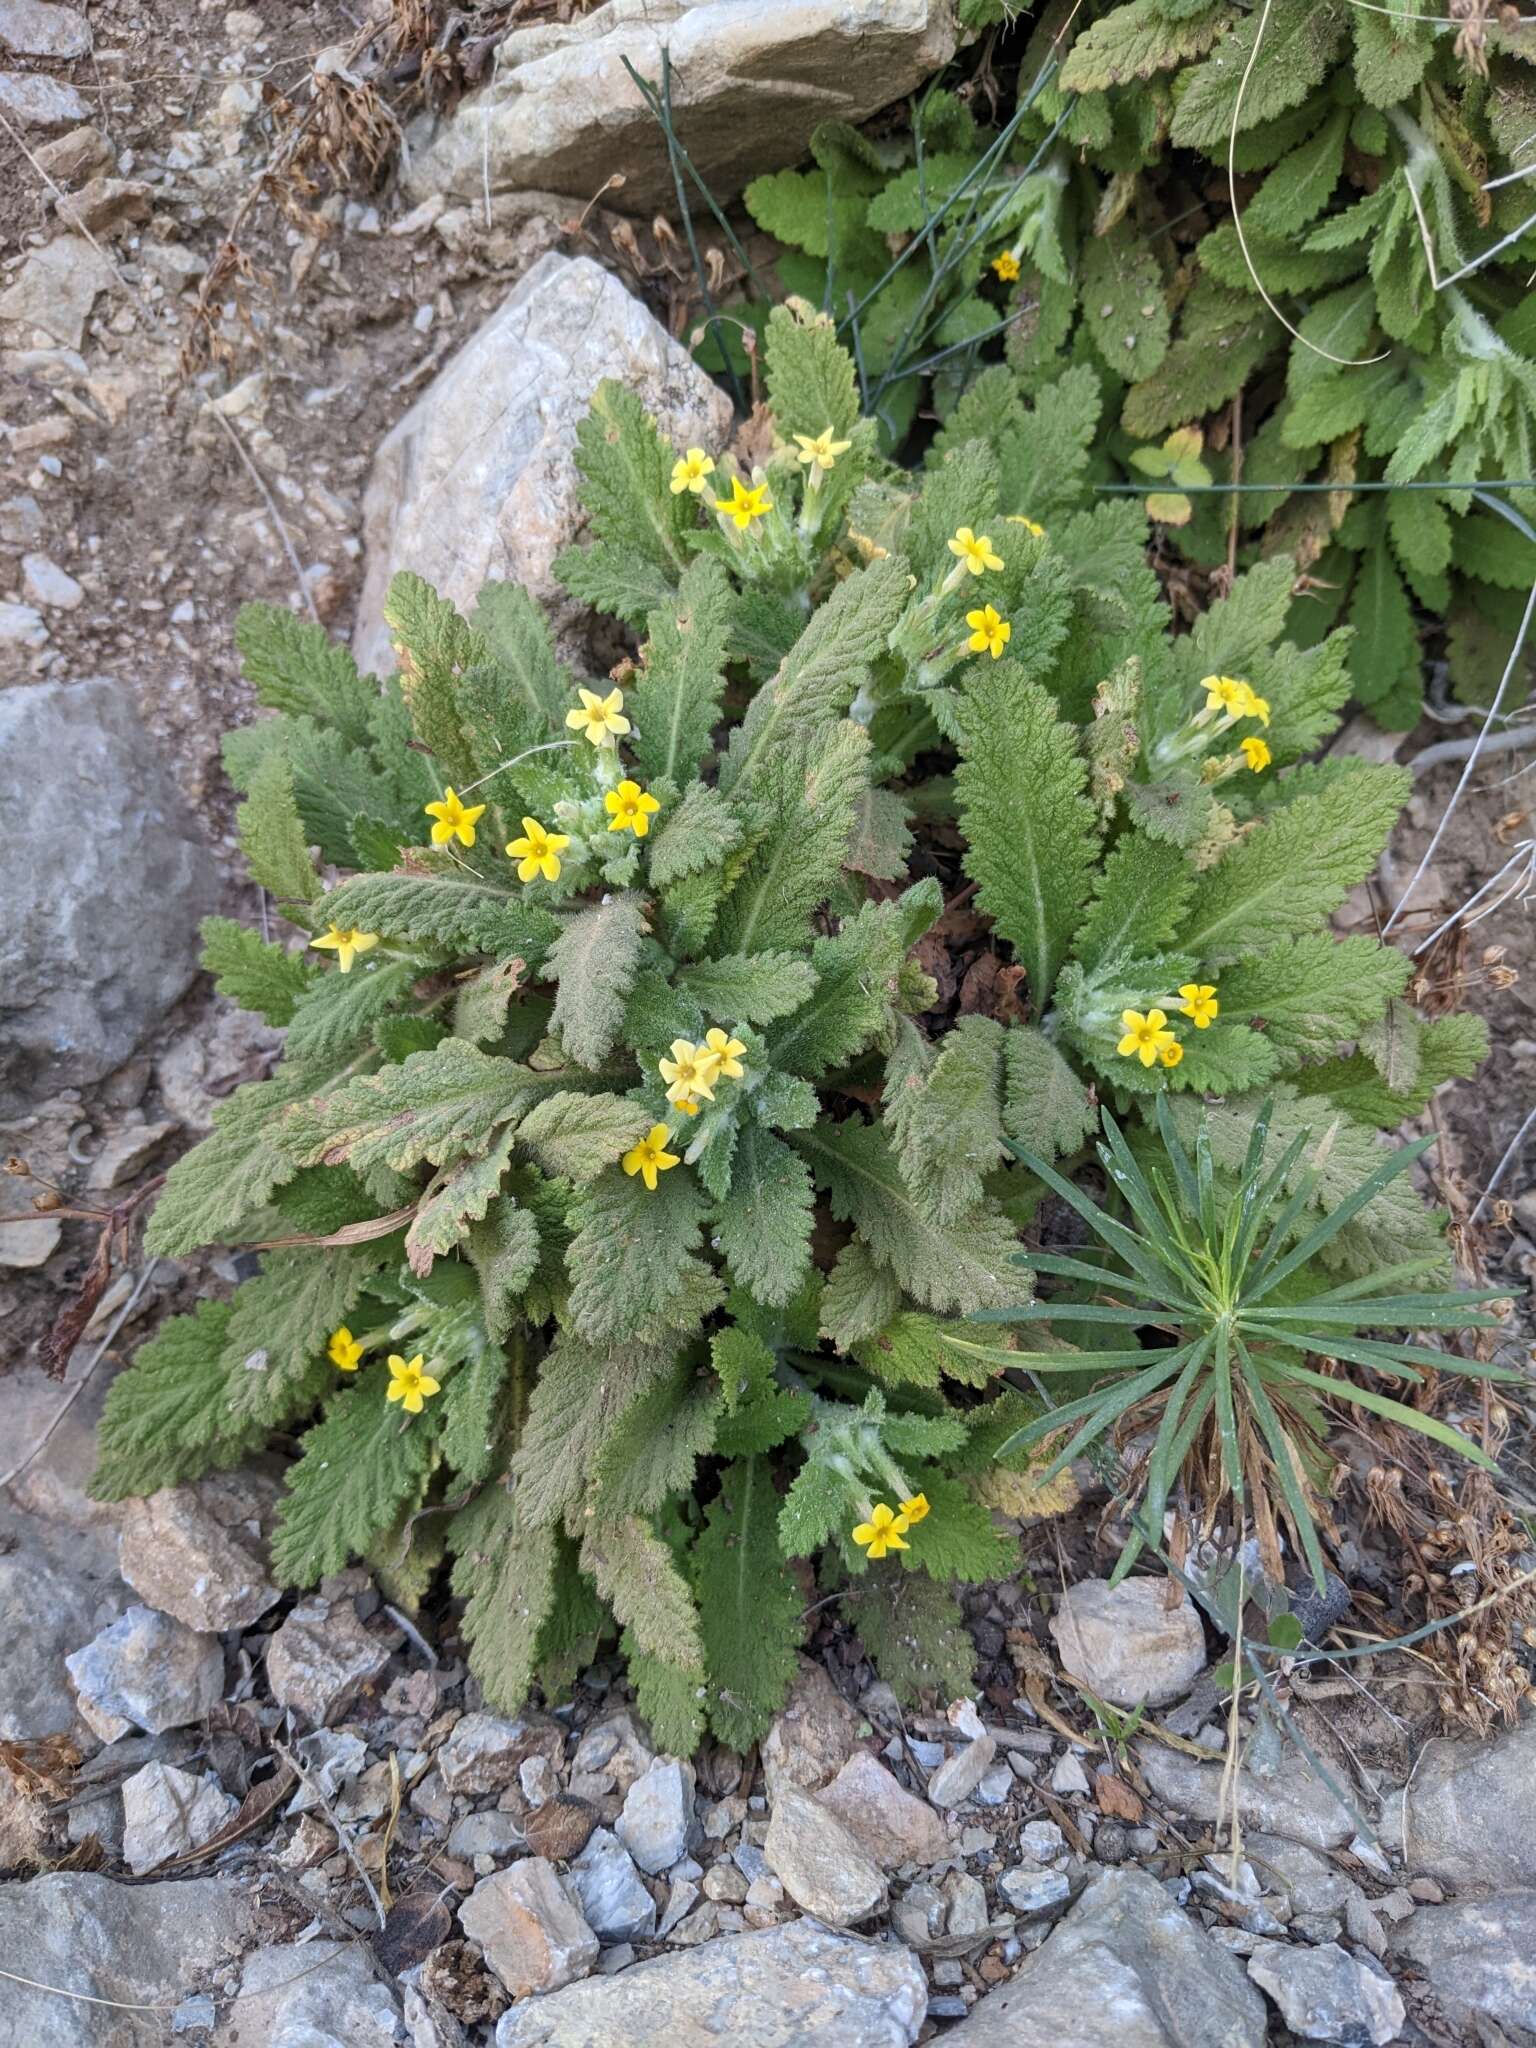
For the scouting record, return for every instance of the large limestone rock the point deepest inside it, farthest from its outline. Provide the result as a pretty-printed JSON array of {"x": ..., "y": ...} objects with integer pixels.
[
  {"x": 54, "y": 1595},
  {"x": 103, "y": 878},
  {"x": 1470, "y": 1812},
  {"x": 1126, "y": 1965},
  {"x": 315, "y": 1994},
  {"x": 139, "y": 1945},
  {"x": 1126, "y": 1643},
  {"x": 198, "y": 1553},
  {"x": 478, "y": 481},
  {"x": 1478, "y": 1957},
  {"x": 799, "y": 1986},
  {"x": 750, "y": 79}
]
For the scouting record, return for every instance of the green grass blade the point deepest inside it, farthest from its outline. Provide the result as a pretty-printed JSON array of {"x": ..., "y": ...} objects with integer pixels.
[
  {"x": 1273, "y": 1432},
  {"x": 1389, "y": 1169},
  {"x": 1395, "y": 1411}
]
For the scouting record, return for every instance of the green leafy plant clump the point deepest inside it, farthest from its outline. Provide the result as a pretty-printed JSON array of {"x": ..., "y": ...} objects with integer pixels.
[
  {"x": 626, "y": 1176},
  {"x": 1291, "y": 242}
]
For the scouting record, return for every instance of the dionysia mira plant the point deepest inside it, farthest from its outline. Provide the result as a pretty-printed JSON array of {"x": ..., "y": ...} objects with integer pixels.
[{"x": 625, "y": 1173}]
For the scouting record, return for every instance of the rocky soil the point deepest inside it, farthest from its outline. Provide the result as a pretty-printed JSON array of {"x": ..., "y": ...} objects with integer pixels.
[{"x": 294, "y": 1822}]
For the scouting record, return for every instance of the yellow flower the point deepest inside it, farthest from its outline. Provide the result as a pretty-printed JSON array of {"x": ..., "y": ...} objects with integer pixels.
[
  {"x": 1258, "y": 707},
  {"x": 727, "y": 1052},
  {"x": 346, "y": 943},
  {"x": 1145, "y": 1036},
  {"x": 1006, "y": 266},
  {"x": 631, "y": 808},
  {"x": 599, "y": 716},
  {"x": 990, "y": 633},
  {"x": 744, "y": 504},
  {"x": 687, "y": 1105},
  {"x": 1226, "y": 693},
  {"x": 915, "y": 1509},
  {"x": 650, "y": 1156},
  {"x": 408, "y": 1384},
  {"x": 692, "y": 1070},
  {"x": 690, "y": 470},
  {"x": 344, "y": 1351},
  {"x": 975, "y": 550},
  {"x": 1031, "y": 526},
  {"x": 537, "y": 852},
  {"x": 1256, "y": 753},
  {"x": 1198, "y": 1000},
  {"x": 455, "y": 820},
  {"x": 1172, "y": 1054},
  {"x": 820, "y": 451},
  {"x": 882, "y": 1532}
]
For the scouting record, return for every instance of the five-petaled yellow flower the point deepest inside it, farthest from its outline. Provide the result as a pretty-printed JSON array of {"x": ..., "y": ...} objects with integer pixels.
[
  {"x": 820, "y": 451},
  {"x": 1172, "y": 1054},
  {"x": 1145, "y": 1036},
  {"x": 1256, "y": 753},
  {"x": 1031, "y": 526},
  {"x": 990, "y": 633},
  {"x": 1197, "y": 999},
  {"x": 692, "y": 1070},
  {"x": 914, "y": 1510},
  {"x": 346, "y": 943},
  {"x": 537, "y": 852},
  {"x": 690, "y": 470},
  {"x": 1006, "y": 266},
  {"x": 975, "y": 550},
  {"x": 599, "y": 717},
  {"x": 1258, "y": 707},
  {"x": 882, "y": 1532},
  {"x": 745, "y": 503},
  {"x": 650, "y": 1156},
  {"x": 408, "y": 1384},
  {"x": 727, "y": 1052},
  {"x": 630, "y": 808},
  {"x": 344, "y": 1351},
  {"x": 1226, "y": 693},
  {"x": 455, "y": 819}
]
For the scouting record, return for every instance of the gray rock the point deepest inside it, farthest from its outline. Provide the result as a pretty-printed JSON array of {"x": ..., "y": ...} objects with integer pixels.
[
  {"x": 1306, "y": 1881},
  {"x": 47, "y": 584},
  {"x": 486, "y": 1752},
  {"x": 1069, "y": 1775},
  {"x": 331, "y": 1759},
  {"x": 484, "y": 1834},
  {"x": 56, "y": 288},
  {"x": 530, "y": 1929},
  {"x": 1470, "y": 1812},
  {"x": 313, "y": 1994},
  {"x": 1326, "y": 1994},
  {"x": 39, "y": 102},
  {"x": 748, "y": 84},
  {"x": 1295, "y": 1802},
  {"x": 22, "y": 632},
  {"x": 167, "y": 1813},
  {"x": 1478, "y": 1958},
  {"x": 820, "y": 1863},
  {"x": 146, "y": 1671},
  {"x": 100, "y": 932},
  {"x": 478, "y": 481},
  {"x": 614, "y": 1902},
  {"x": 197, "y": 1552},
  {"x": 321, "y": 1659},
  {"x": 798, "y": 1986},
  {"x": 1126, "y": 1644},
  {"x": 39, "y": 28},
  {"x": 886, "y": 1819},
  {"x": 1042, "y": 1841},
  {"x": 73, "y": 158},
  {"x": 959, "y": 1775},
  {"x": 47, "y": 1607},
  {"x": 1126, "y": 1965},
  {"x": 967, "y": 1897},
  {"x": 146, "y": 1944},
  {"x": 1034, "y": 1893},
  {"x": 658, "y": 1824}
]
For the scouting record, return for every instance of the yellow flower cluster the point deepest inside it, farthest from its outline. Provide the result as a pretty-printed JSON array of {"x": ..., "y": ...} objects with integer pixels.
[
  {"x": 887, "y": 1527},
  {"x": 1230, "y": 698},
  {"x": 601, "y": 720},
  {"x": 1148, "y": 1036},
  {"x": 693, "y": 1070},
  {"x": 409, "y": 1383}
]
